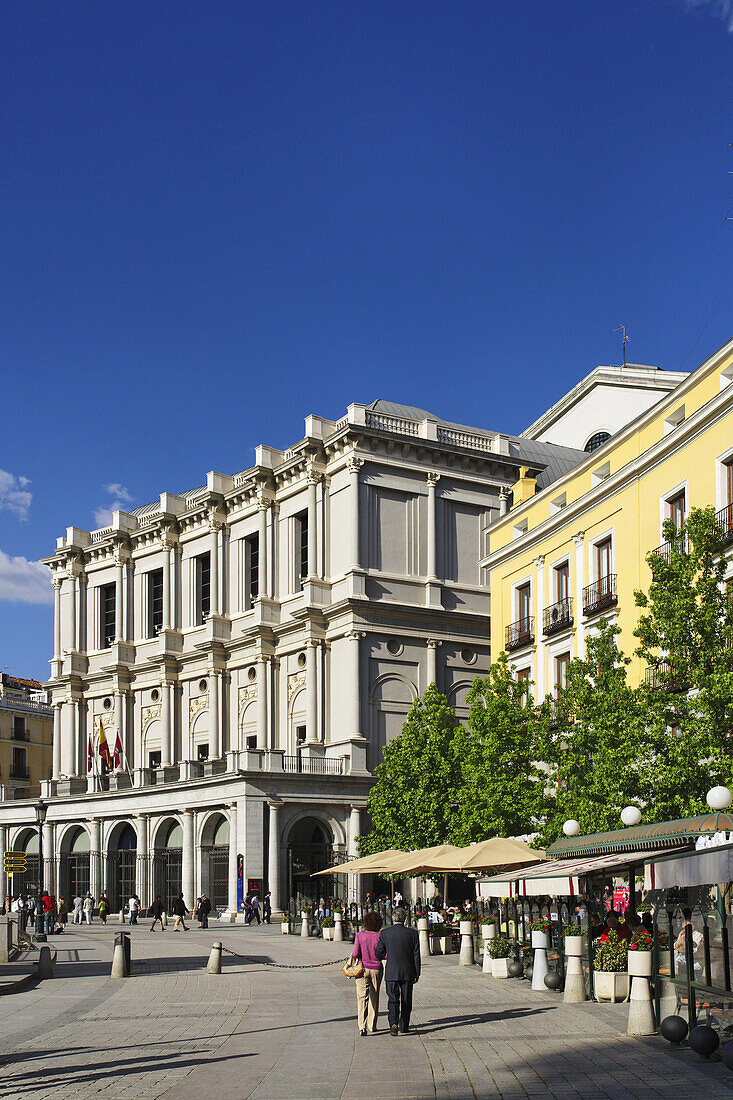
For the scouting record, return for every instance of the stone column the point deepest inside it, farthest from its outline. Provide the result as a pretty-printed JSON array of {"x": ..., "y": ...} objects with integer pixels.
[
  {"x": 141, "y": 861},
  {"x": 504, "y": 495},
  {"x": 168, "y": 551},
  {"x": 56, "y": 768},
  {"x": 539, "y": 564},
  {"x": 579, "y": 586},
  {"x": 432, "y": 652},
  {"x": 354, "y": 830},
  {"x": 273, "y": 855},
  {"x": 119, "y": 599},
  {"x": 187, "y": 861},
  {"x": 311, "y": 689},
  {"x": 262, "y": 685},
  {"x": 57, "y": 617},
  {"x": 166, "y": 732},
  {"x": 313, "y": 480},
  {"x": 214, "y": 716},
  {"x": 68, "y": 738},
  {"x": 215, "y": 529},
  {"x": 353, "y": 728},
  {"x": 432, "y": 590},
  {"x": 48, "y": 858},
  {"x": 95, "y": 857},
  {"x": 73, "y": 612},
  {"x": 262, "y": 548},
  {"x": 354, "y": 465},
  {"x": 3, "y": 876},
  {"x": 232, "y": 879}
]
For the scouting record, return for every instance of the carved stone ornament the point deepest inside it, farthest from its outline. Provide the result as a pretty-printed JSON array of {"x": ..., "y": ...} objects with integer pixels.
[
  {"x": 295, "y": 683},
  {"x": 354, "y": 464},
  {"x": 196, "y": 705},
  {"x": 150, "y": 713},
  {"x": 246, "y": 695},
  {"x": 106, "y": 720},
  {"x": 433, "y": 478}
]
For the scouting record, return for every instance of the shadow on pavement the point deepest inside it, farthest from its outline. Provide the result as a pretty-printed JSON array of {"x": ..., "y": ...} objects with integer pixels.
[{"x": 449, "y": 1022}]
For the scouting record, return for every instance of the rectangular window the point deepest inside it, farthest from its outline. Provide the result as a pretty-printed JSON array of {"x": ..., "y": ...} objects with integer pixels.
[
  {"x": 300, "y": 546},
  {"x": 603, "y": 559},
  {"x": 729, "y": 483},
  {"x": 107, "y": 598},
  {"x": 523, "y": 677},
  {"x": 19, "y": 731},
  {"x": 562, "y": 582},
  {"x": 19, "y": 767},
  {"x": 202, "y": 753},
  {"x": 251, "y": 570},
  {"x": 524, "y": 605},
  {"x": 252, "y": 741},
  {"x": 154, "y": 759},
  {"x": 300, "y": 734},
  {"x": 155, "y": 602},
  {"x": 676, "y": 508},
  {"x": 203, "y": 588},
  {"x": 561, "y": 673}
]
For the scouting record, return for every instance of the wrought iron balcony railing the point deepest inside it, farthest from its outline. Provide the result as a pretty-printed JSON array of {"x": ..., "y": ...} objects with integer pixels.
[
  {"x": 600, "y": 595},
  {"x": 520, "y": 633},
  {"x": 558, "y": 616},
  {"x": 660, "y": 677},
  {"x": 725, "y": 520}
]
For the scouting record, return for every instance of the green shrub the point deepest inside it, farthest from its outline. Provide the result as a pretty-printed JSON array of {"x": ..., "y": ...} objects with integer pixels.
[
  {"x": 610, "y": 953},
  {"x": 501, "y": 948},
  {"x": 573, "y": 930},
  {"x": 328, "y": 922}
]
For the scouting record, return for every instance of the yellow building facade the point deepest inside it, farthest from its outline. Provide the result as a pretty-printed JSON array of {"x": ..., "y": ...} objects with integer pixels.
[
  {"x": 560, "y": 559},
  {"x": 26, "y": 736}
]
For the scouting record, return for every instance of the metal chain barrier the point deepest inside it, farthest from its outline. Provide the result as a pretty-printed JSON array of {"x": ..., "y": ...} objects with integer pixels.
[{"x": 281, "y": 966}]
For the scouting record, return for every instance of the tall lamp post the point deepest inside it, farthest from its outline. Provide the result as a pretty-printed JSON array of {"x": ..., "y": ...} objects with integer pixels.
[{"x": 41, "y": 811}]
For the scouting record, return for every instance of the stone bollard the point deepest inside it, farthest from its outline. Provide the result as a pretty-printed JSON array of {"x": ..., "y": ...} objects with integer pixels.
[
  {"x": 304, "y": 929},
  {"x": 466, "y": 956},
  {"x": 486, "y": 967},
  {"x": 122, "y": 916},
  {"x": 213, "y": 966},
  {"x": 164, "y": 919},
  {"x": 540, "y": 968},
  {"x": 338, "y": 927},
  {"x": 45, "y": 966},
  {"x": 119, "y": 962},
  {"x": 574, "y": 980},
  {"x": 422, "y": 934},
  {"x": 641, "y": 1013},
  {"x": 446, "y": 944}
]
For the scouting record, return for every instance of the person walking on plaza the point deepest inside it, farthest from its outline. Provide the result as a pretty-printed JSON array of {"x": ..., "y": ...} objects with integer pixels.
[
  {"x": 367, "y": 987},
  {"x": 204, "y": 910},
  {"x": 179, "y": 910},
  {"x": 134, "y": 906},
  {"x": 103, "y": 908},
  {"x": 49, "y": 911},
  {"x": 156, "y": 912},
  {"x": 267, "y": 907},
  {"x": 77, "y": 917},
  {"x": 256, "y": 908},
  {"x": 88, "y": 907},
  {"x": 62, "y": 915},
  {"x": 401, "y": 948}
]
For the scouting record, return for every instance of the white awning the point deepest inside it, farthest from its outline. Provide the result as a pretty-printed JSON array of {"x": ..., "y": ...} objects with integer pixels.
[
  {"x": 701, "y": 868},
  {"x": 560, "y": 877}
]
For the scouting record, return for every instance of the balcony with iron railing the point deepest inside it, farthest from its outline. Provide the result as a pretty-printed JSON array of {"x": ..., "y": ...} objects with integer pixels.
[
  {"x": 20, "y": 734},
  {"x": 520, "y": 633},
  {"x": 600, "y": 595},
  {"x": 18, "y": 772},
  {"x": 558, "y": 616},
  {"x": 667, "y": 549},
  {"x": 724, "y": 519},
  {"x": 661, "y": 677}
]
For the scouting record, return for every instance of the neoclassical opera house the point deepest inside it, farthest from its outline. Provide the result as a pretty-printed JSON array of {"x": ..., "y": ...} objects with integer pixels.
[{"x": 255, "y": 643}]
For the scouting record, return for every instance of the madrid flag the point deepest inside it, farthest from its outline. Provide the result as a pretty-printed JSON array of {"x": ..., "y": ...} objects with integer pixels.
[
  {"x": 117, "y": 754},
  {"x": 103, "y": 747}
]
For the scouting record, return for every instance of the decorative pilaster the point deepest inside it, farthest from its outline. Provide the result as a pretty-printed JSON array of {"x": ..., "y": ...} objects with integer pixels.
[
  {"x": 273, "y": 854},
  {"x": 262, "y": 700},
  {"x": 311, "y": 692},
  {"x": 166, "y": 723},
  {"x": 215, "y": 531},
  {"x": 56, "y": 767},
  {"x": 432, "y": 654},
  {"x": 354, "y": 465},
  {"x": 187, "y": 859},
  {"x": 579, "y": 541},
  {"x": 141, "y": 862},
  {"x": 68, "y": 738},
  {"x": 504, "y": 495},
  {"x": 57, "y": 617},
  {"x": 539, "y": 564},
  {"x": 432, "y": 588},
  {"x": 313, "y": 479},
  {"x": 353, "y": 728},
  {"x": 263, "y": 505},
  {"x": 95, "y": 857},
  {"x": 214, "y": 715},
  {"x": 233, "y": 900},
  {"x": 120, "y": 593},
  {"x": 169, "y": 549}
]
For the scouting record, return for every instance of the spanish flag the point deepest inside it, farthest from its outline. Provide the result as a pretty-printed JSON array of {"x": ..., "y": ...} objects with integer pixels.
[{"x": 103, "y": 747}]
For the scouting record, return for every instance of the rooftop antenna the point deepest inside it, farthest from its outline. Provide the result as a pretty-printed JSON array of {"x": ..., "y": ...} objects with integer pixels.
[{"x": 624, "y": 340}]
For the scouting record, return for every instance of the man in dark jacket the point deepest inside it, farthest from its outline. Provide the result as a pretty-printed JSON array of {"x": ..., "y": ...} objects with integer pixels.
[
  {"x": 401, "y": 947},
  {"x": 179, "y": 910},
  {"x": 204, "y": 910},
  {"x": 156, "y": 912}
]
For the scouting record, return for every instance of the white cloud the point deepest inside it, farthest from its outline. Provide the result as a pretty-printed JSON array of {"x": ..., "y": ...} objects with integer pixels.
[
  {"x": 23, "y": 581},
  {"x": 14, "y": 495},
  {"x": 121, "y": 497},
  {"x": 721, "y": 9}
]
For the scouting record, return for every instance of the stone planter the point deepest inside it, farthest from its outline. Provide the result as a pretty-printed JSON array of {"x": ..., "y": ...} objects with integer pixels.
[
  {"x": 446, "y": 944},
  {"x": 284, "y": 927},
  {"x": 327, "y": 933},
  {"x": 539, "y": 940},
  {"x": 574, "y": 945},
  {"x": 611, "y": 985},
  {"x": 488, "y": 931},
  {"x": 304, "y": 929},
  {"x": 487, "y": 965},
  {"x": 499, "y": 968},
  {"x": 540, "y": 967},
  {"x": 639, "y": 964}
]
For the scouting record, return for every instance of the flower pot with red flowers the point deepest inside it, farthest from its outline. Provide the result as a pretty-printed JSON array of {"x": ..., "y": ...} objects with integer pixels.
[
  {"x": 610, "y": 978},
  {"x": 641, "y": 1013}
]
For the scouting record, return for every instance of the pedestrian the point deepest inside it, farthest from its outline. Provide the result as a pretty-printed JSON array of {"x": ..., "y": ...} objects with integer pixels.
[
  {"x": 88, "y": 907},
  {"x": 397, "y": 898},
  {"x": 197, "y": 910},
  {"x": 77, "y": 917},
  {"x": 267, "y": 907},
  {"x": 255, "y": 903},
  {"x": 179, "y": 909},
  {"x": 49, "y": 908},
  {"x": 401, "y": 948},
  {"x": 247, "y": 910},
  {"x": 103, "y": 908},
  {"x": 8, "y": 903},
  {"x": 156, "y": 912},
  {"x": 367, "y": 987},
  {"x": 62, "y": 915},
  {"x": 134, "y": 906},
  {"x": 205, "y": 909}
]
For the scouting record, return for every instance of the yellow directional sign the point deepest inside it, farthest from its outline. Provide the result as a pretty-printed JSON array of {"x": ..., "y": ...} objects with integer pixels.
[{"x": 15, "y": 863}]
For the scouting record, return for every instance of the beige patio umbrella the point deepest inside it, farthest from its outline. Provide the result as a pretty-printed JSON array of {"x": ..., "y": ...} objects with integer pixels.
[
  {"x": 423, "y": 862},
  {"x": 498, "y": 852},
  {"x": 371, "y": 865}
]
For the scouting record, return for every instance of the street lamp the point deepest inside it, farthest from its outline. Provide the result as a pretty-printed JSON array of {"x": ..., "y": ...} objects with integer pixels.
[
  {"x": 719, "y": 798},
  {"x": 571, "y": 827},
  {"x": 631, "y": 815},
  {"x": 41, "y": 810}
]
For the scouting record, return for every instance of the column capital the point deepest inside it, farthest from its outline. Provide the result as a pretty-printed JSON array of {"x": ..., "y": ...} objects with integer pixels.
[
  {"x": 264, "y": 500},
  {"x": 275, "y": 803},
  {"x": 433, "y": 643},
  {"x": 433, "y": 478},
  {"x": 313, "y": 476},
  {"x": 168, "y": 543},
  {"x": 578, "y": 539},
  {"x": 354, "y": 464},
  {"x": 215, "y": 525},
  {"x": 354, "y": 635},
  {"x": 504, "y": 491},
  {"x": 57, "y": 581},
  {"x": 539, "y": 561}
]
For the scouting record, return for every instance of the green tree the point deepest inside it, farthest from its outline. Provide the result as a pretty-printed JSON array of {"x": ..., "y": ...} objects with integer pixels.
[
  {"x": 502, "y": 785},
  {"x": 419, "y": 782}
]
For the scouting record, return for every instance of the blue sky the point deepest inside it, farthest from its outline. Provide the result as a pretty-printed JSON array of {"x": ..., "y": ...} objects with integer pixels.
[{"x": 217, "y": 218}]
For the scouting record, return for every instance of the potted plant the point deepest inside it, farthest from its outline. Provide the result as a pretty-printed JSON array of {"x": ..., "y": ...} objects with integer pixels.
[
  {"x": 306, "y": 910},
  {"x": 540, "y": 928},
  {"x": 421, "y": 918},
  {"x": 327, "y": 926},
  {"x": 574, "y": 940},
  {"x": 639, "y": 957},
  {"x": 488, "y": 927},
  {"x": 285, "y": 924},
  {"x": 610, "y": 979},
  {"x": 500, "y": 951}
]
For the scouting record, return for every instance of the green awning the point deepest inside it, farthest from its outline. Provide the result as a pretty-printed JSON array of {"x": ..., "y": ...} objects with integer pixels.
[{"x": 637, "y": 837}]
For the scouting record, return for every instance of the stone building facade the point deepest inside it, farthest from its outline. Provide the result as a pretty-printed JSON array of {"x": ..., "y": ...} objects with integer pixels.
[{"x": 254, "y": 643}]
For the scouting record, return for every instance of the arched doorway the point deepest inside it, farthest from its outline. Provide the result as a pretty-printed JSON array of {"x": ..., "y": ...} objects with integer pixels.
[
  {"x": 74, "y": 865},
  {"x": 121, "y": 865},
  {"x": 27, "y": 883},
  {"x": 310, "y": 849},
  {"x": 168, "y": 864},
  {"x": 215, "y": 861}
]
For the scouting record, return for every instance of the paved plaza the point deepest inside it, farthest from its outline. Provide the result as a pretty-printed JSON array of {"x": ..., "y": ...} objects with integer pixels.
[{"x": 276, "y": 1033}]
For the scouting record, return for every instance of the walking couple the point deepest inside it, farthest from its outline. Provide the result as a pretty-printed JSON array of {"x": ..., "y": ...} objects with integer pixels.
[{"x": 401, "y": 948}]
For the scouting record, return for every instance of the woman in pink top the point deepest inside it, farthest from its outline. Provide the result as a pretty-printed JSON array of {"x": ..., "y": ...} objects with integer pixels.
[{"x": 367, "y": 987}]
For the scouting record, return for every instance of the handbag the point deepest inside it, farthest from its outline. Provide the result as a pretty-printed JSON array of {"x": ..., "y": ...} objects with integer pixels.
[{"x": 352, "y": 968}]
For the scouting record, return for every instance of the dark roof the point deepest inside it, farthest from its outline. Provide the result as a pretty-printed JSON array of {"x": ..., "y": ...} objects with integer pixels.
[
  {"x": 662, "y": 833},
  {"x": 553, "y": 459}
]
